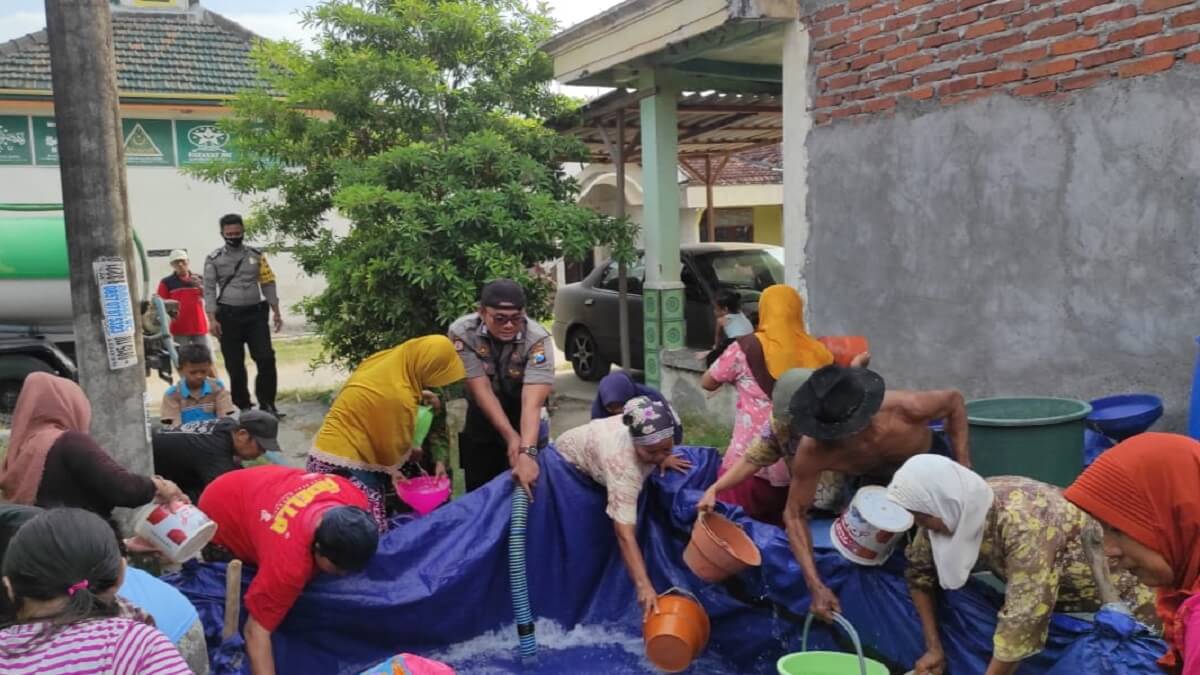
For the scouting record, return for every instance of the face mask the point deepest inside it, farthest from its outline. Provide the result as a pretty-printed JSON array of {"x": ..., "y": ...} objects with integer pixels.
[{"x": 234, "y": 242}]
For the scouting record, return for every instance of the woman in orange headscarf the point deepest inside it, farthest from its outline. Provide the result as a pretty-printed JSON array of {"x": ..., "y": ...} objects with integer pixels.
[
  {"x": 785, "y": 342},
  {"x": 1146, "y": 494},
  {"x": 753, "y": 364}
]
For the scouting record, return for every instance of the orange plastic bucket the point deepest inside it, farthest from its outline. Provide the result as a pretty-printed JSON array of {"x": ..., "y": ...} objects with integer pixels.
[
  {"x": 719, "y": 549},
  {"x": 845, "y": 347},
  {"x": 677, "y": 633}
]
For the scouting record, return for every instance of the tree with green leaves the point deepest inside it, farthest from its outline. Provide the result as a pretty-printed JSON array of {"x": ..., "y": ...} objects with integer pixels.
[{"x": 422, "y": 122}]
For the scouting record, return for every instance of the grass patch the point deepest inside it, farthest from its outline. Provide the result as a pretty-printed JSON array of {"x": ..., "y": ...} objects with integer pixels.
[
  {"x": 702, "y": 431},
  {"x": 308, "y": 395},
  {"x": 298, "y": 350},
  {"x": 287, "y": 350}
]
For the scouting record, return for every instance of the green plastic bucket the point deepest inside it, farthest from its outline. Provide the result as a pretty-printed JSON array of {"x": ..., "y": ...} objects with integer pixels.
[
  {"x": 805, "y": 662},
  {"x": 826, "y": 663},
  {"x": 1035, "y": 436},
  {"x": 424, "y": 422}
]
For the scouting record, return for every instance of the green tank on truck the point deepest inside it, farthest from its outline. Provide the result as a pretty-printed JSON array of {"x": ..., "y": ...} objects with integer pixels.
[{"x": 36, "y": 330}]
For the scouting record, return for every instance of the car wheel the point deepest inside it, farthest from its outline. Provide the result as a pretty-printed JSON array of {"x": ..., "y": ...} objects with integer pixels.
[{"x": 585, "y": 357}]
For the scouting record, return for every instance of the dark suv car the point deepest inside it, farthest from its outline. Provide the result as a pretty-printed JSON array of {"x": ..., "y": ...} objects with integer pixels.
[{"x": 585, "y": 313}]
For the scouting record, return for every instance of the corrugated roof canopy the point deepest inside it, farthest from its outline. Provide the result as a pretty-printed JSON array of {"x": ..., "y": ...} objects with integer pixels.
[{"x": 709, "y": 124}]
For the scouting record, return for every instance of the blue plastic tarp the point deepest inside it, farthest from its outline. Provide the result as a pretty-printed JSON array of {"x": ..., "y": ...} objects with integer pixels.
[{"x": 442, "y": 579}]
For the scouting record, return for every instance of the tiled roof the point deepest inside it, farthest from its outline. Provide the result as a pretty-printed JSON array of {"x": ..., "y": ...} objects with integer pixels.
[
  {"x": 755, "y": 167},
  {"x": 193, "y": 52},
  {"x": 761, "y": 166}
]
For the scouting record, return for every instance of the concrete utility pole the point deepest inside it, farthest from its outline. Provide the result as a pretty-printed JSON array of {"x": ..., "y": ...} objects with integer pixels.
[{"x": 108, "y": 335}]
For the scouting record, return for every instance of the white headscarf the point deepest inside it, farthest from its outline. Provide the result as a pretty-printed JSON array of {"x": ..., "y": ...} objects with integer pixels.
[{"x": 938, "y": 486}]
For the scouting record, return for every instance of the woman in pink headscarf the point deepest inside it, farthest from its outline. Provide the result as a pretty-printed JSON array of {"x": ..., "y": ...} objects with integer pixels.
[{"x": 52, "y": 461}]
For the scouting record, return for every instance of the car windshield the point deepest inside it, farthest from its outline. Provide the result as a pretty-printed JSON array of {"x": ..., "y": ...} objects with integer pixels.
[{"x": 752, "y": 270}]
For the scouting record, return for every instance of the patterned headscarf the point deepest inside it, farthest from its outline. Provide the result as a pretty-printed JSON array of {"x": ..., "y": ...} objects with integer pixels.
[{"x": 649, "y": 421}]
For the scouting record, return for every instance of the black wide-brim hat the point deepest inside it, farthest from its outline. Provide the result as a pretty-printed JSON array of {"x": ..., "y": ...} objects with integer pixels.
[{"x": 836, "y": 402}]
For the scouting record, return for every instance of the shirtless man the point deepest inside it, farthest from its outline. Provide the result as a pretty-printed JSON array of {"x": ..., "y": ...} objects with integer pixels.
[{"x": 850, "y": 425}]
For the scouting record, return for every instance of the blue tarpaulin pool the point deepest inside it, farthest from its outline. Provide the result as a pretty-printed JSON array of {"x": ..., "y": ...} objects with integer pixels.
[{"x": 439, "y": 587}]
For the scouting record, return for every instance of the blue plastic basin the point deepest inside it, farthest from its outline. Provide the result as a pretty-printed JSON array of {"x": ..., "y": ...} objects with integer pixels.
[{"x": 1124, "y": 415}]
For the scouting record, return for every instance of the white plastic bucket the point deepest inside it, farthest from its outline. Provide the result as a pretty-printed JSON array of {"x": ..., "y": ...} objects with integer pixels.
[
  {"x": 178, "y": 529},
  {"x": 868, "y": 531}
]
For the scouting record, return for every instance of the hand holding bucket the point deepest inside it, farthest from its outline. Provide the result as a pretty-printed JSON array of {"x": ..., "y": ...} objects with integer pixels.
[
  {"x": 804, "y": 661},
  {"x": 177, "y": 529},
  {"x": 677, "y": 633}
]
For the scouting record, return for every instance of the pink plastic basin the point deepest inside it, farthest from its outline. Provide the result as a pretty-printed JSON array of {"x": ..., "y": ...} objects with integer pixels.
[{"x": 424, "y": 493}]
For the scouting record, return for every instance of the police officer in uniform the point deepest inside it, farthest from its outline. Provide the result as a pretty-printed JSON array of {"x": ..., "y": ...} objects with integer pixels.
[
  {"x": 239, "y": 290},
  {"x": 510, "y": 372}
]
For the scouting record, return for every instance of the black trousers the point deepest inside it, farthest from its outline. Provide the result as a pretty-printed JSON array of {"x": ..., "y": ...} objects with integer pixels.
[{"x": 241, "y": 328}]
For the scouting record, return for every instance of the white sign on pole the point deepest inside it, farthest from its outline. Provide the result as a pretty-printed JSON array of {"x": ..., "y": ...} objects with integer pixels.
[{"x": 115, "y": 301}]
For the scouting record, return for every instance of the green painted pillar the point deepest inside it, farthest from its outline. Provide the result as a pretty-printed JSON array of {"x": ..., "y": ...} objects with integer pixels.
[{"x": 662, "y": 299}]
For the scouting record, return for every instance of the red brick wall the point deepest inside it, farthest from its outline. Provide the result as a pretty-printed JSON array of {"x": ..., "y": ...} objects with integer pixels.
[{"x": 870, "y": 55}]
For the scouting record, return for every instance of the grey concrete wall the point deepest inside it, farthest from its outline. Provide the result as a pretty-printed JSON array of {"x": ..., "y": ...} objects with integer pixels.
[
  {"x": 1017, "y": 246},
  {"x": 681, "y": 373}
]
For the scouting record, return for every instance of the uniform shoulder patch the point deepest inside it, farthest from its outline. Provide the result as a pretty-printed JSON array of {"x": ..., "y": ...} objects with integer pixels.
[{"x": 537, "y": 355}]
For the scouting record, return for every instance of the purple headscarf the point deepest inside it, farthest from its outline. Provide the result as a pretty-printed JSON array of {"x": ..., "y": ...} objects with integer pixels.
[{"x": 619, "y": 388}]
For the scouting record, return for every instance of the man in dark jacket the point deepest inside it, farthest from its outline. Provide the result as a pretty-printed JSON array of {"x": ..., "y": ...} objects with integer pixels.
[{"x": 194, "y": 456}]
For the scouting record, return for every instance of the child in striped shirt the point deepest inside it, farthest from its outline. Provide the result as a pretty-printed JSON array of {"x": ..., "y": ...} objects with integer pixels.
[{"x": 62, "y": 570}]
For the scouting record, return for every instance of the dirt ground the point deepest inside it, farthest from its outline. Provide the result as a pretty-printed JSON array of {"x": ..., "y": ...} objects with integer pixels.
[{"x": 304, "y": 395}]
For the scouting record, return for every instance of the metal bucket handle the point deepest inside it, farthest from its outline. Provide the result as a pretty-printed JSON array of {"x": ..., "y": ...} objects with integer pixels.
[{"x": 846, "y": 626}]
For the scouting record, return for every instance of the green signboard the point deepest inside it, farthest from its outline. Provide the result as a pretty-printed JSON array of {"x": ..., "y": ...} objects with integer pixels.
[
  {"x": 148, "y": 142},
  {"x": 16, "y": 147},
  {"x": 45, "y": 140},
  {"x": 202, "y": 142}
]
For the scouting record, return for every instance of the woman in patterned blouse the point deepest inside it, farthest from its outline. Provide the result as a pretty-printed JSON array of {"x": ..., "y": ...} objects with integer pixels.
[
  {"x": 1019, "y": 529},
  {"x": 619, "y": 453}
]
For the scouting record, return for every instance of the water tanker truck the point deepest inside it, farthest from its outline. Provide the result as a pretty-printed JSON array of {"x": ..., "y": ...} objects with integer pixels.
[{"x": 36, "y": 333}]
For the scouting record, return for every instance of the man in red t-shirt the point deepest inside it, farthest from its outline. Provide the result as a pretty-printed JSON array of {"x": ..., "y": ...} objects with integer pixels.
[
  {"x": 289, "y": 524},
  {"x": 190, "y": 325}
]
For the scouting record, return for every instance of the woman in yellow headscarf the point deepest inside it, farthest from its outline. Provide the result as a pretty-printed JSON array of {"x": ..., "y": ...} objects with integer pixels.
[
  {"x": 785, "y": 343},
  {"x": 368, "y": 433}
]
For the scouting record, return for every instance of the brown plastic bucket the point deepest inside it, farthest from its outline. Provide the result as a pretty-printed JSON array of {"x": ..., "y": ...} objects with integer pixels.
[
  {"x": 719, "y": 549},
  {"x": 677, "y": 633},
  {"x": 845, "y": 347}
]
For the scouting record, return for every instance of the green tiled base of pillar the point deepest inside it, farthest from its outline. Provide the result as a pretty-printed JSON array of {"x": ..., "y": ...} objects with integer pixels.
[
  {"x": 652, "y": 335},
  {"x": 650, "y": 304},
  {"x": 653, "y": 371},
  {"x": 672, "y": 304},
  {"x": 674, "y": 332}
]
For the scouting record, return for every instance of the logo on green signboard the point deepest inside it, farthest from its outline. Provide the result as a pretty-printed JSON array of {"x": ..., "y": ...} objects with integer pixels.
[
  {"x": 208, "y": 137},
  {"x": 139, "y": 144},
  {"x": 202, "y": 142},
  {"x": 45, "y": 140},
  {"x": 15, "y": 145},
  {"x": 148, "y": 142}
]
